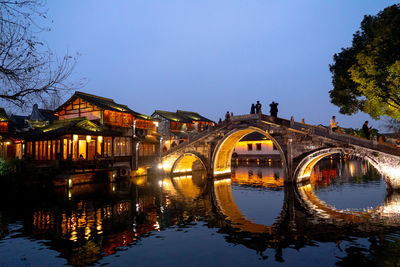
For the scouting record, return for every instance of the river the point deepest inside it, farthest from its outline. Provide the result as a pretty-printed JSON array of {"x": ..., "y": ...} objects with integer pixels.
[{"x": 344, "y": 216}]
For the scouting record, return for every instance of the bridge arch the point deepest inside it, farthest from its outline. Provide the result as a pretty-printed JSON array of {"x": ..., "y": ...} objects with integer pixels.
[
  {"x": 222, "y": 156},
  {"x": 306, "y": 165},
  {"x": 185, "y": 162},
  {"x": 226, "y": 205}
]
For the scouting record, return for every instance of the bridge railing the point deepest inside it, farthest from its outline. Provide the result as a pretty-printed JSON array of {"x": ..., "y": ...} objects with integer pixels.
[
  {"x": 197, "y": 137},
  {"x": 298, "y": 126},
  {"x": 328, "y": 133}
]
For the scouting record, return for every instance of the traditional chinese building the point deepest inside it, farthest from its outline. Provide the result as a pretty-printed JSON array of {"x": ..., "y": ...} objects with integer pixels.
[
  {"x": 255, "y": 146},
  {"x": 177, "y": 127},
  {"x": 93, "y": 132},
  {"x": 10, "y": 146}
]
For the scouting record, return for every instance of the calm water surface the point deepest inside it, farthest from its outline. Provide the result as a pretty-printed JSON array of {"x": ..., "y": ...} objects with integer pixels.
[{"x": 343, "y": 217}]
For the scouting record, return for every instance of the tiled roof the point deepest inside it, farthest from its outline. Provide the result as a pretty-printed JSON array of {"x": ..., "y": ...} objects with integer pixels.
[
  {"x": 105, "y": 103},
  {"x": 18, "y": 122},
  {"x": 194, "y": 116},
  {"x": 48, "y": 114},
  {"x": 172, "y": 116},
  {"x": 3, "y": 115},
  {"x": 181, "y": 116},
  {"x": 72, "y": 126}
]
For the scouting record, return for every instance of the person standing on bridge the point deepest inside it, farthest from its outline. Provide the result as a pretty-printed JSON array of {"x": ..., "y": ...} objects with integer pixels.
[
  {"x": 334, "y": 124},
  {"x": 227, "y": 116},
  {"x": 253, "y": 109},
  {"x": 258, "y": 107},
  {"x": 366, "y": 130},
  {"x": 274, "y": 109}
]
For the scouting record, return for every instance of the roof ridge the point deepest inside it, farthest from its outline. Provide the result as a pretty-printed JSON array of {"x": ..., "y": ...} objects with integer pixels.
[
  {"x": 179, "y": 110},
  {"x": 96, "y": 96},
  {"x": 70, "y": 120}
]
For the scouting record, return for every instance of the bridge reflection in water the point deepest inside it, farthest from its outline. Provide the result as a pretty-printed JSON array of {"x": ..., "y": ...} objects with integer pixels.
[
  {"x": 304, "y": 218},
  {"x": 88, "y": 223}
]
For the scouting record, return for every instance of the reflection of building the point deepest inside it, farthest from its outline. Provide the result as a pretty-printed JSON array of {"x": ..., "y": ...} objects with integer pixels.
[
  {"x": 331, "y": 168},
  {"x": 87, "y": 229},
  {"x": 323, "y": 175},
  {"x": 176, "y": 127},
  {"x": 262, "y": 176},
  {"x": 256, "y": 146}
]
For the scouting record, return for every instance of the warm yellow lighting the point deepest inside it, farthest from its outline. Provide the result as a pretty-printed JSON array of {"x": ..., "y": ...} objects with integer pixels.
[
  {"x": 155, "y": 123},
  {"x": 167, "y": 142},
  {"x": 352, "y": 169},
  {"x": 75, "y": 137},
  {"x": 160, "y": 166},
  {"x": 182, "y": 170},
  {"x": 7, "y": 143},
  {"x": 223, "y": 181},
  {"x": 88, "y": 138},
  {"x": 226, "y": 171},
  {"x": 141, "y": 171},
  {"x": 100, "y": 139}
]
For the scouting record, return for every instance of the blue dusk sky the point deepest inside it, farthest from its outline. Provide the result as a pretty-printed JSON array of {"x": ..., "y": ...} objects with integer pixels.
[{"x": 211, "y": 56}]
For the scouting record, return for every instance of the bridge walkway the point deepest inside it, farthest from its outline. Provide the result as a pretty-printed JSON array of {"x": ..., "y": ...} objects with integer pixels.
[{"x": 290, "y": 125}]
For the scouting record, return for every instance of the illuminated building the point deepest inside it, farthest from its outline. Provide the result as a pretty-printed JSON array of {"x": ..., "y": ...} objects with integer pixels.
[
  {"x": 10, "y": 146},
  {"x": 89, "y": 131},
  {"x": 255, "y": 146},
  {"x": 177, "y": 127}
]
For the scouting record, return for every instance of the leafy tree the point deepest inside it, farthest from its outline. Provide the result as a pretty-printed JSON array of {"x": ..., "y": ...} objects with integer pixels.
[
  {"x": 28, "y": 69},
  {"x": 366, "y": 76}
]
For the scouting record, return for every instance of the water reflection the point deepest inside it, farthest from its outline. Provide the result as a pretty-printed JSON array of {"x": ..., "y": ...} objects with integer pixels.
[
  {"x": 340, "y": 170},
  {"x": 269, "y": 175},
  {"x": 89, "y": 223}
]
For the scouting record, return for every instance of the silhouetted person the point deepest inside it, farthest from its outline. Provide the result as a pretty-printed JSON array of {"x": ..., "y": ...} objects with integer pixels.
[
  {"x": 366, "y": 130},
  {"x": 253, "y": 109},
  {"x": 274, "y": 109},
  {"x": 219, "y": 121},
  {"x": 227, "y": 116},
  {"x": 258, "y": 107}
]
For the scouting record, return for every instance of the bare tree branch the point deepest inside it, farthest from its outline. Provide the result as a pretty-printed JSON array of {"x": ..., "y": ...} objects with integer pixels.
[{"x": 28, "y": 69}]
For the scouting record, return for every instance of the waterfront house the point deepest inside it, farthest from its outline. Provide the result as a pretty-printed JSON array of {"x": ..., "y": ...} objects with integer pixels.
[
  {"x": 177, "y": 127},
  {"x": 10, "y": 145},
  {"x": 92, "y": 132}
]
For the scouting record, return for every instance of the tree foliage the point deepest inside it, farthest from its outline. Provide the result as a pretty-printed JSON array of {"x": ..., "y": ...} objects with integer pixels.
[
  {"x": 29, "y": 71},
  {"x": 366, "y": 76}
]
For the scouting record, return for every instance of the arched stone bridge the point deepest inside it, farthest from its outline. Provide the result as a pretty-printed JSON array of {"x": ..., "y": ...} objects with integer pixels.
[{"x": 300, "y": 145}]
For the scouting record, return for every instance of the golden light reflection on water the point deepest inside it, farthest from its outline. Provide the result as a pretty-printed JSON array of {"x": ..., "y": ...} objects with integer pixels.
[
  {"x": 256, "y": 176},
  {"x": 227, "y": 206},
  {"x": 96, "y": 230}
]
